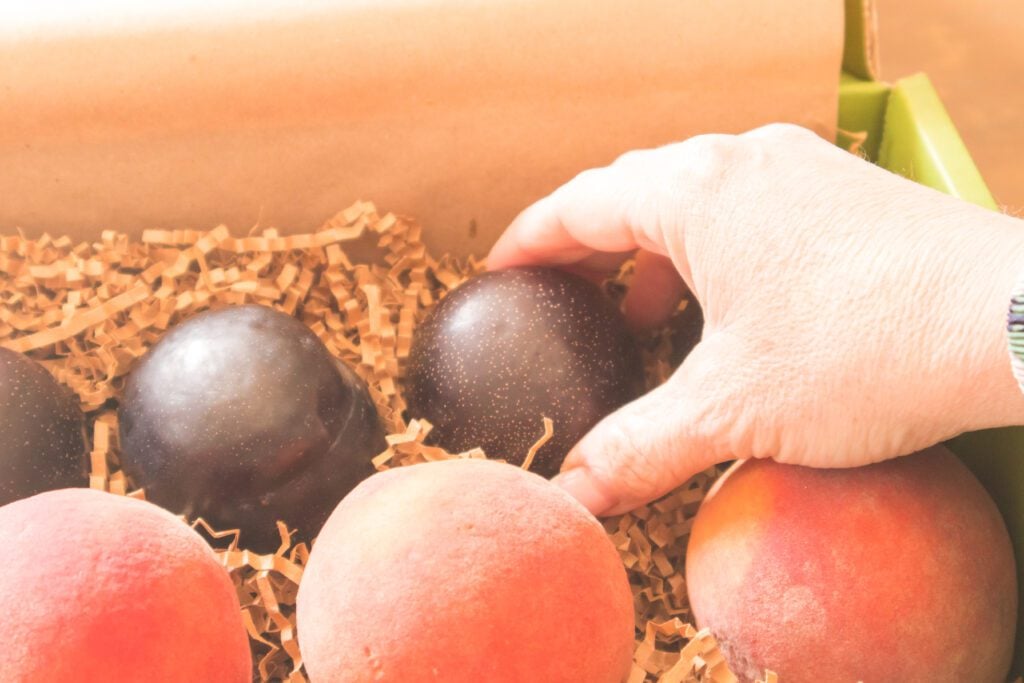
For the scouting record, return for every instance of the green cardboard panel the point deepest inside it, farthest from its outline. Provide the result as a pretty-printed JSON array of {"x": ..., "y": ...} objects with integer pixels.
[
  {"x": 862, "y": 109},
  {"x": 920, "y": 142},
  {"x": 859, "y": 39}
]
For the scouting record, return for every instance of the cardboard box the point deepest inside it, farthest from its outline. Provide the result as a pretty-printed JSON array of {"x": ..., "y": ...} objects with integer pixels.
[{"x": 138, "y": 119}]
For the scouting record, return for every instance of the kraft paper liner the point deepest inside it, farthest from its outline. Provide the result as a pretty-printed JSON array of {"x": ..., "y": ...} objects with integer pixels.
[
  {"x": 88, "y": 310},
  {"x": 458, "y": 113}
]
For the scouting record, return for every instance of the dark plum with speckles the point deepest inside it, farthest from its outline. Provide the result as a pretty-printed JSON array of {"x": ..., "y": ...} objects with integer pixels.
[
  {"x": 508, "y": 348},
  {"x": 42, "y": 431},
  {"x": 687, "y": 328},
  {"x": 241, "y": 416}
]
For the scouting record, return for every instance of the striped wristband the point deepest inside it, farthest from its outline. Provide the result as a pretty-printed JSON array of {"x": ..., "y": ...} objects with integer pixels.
[{"x": 1015, "y": 332}]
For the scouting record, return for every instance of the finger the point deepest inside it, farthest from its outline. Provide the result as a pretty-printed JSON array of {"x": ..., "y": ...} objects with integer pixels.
[
  {"x": 593, "y": 213},
  {"x": 654, "y": 293},
  {"x": 652, "y": 445}
]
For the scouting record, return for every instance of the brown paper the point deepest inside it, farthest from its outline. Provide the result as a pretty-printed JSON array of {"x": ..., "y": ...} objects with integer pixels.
[{"x": 141, "y": 116}]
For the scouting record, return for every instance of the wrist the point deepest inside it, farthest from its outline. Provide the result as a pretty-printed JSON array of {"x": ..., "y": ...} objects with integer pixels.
[{"x": 995, "y": 268}]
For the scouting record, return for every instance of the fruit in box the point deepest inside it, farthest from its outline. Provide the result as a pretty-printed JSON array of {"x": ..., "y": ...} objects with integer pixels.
[
  {"x": 508, "y": 348},
  {"x": 897, "y": 571},
  {"x": 98, "y": 587},
  {"x": 242, "y": 416},
  {"x": 42, "y": 431},
  {"x": 464, "y": 571}
]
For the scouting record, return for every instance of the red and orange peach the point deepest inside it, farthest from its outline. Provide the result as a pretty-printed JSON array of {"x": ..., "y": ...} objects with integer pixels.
[
  {"x": 96, "y": 587},
  {"x": 464, "y": 571},
  {"x": 898, "y": 571}
]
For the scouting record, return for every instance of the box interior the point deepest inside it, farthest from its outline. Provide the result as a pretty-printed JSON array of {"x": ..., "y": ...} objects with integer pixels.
[{"x": 908, "y": 132}]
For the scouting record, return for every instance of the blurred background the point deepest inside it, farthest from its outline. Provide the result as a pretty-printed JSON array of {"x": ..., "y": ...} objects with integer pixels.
[{"x": 974, "y": 54}]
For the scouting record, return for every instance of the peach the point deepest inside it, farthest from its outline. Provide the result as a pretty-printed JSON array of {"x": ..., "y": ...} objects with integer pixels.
[
  {"x": 464, "y": 571},
  {"x": 98, "y": 587},
  {"x": 898, "y": 571}
]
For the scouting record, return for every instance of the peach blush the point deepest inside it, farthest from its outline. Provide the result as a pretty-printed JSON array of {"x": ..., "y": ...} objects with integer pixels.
[
  {"x": 464, "y": 571},
  {"x": 897, "y": 571},
  {"x": 98, "y": 587}
]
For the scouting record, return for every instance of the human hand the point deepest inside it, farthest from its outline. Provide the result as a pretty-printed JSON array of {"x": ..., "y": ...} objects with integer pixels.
[{"x": 850, "y": 315}]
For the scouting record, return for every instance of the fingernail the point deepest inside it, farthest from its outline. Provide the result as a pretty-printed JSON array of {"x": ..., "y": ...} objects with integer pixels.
[{"x": 578, "y": 483}]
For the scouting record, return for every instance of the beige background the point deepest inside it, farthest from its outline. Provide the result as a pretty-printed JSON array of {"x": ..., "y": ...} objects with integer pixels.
[
  {"x": 974, "y": 53},
  {"x": 970, "y": 49}
]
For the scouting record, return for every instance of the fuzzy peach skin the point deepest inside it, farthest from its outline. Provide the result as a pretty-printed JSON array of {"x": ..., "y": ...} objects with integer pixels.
[
  {"x": 96, "y": 587},
  {"x": 898, "y": 571},
  {"x": 464, "y": 571}
]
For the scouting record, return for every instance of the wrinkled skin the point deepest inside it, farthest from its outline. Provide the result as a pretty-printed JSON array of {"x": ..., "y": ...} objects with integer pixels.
[{"x": 851, "y": 315}]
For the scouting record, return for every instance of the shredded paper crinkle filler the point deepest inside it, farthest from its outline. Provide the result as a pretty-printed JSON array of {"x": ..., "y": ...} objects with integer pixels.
[{"x": 87, "y": 311}]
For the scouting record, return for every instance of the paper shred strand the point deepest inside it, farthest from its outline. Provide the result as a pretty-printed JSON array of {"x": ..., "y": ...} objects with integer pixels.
[{"x": 549, "y": 431}]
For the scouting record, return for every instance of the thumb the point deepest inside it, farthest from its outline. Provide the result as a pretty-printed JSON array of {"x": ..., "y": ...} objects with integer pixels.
[{"x": 652, "y": 445}]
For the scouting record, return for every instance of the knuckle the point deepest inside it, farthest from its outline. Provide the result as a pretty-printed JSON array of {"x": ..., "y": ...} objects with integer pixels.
[
  {"x": 696, "y": 161},
  {"x": 584, "y": 179},
  {"x": 783, "y": 132},
  {"x": 698, "y": 164},
  {"x": 634, "y": 157},
  {"x": 765, "y": 146},
  {"x": 569, "y": 196},
  {"x": 712, "y": 146}
]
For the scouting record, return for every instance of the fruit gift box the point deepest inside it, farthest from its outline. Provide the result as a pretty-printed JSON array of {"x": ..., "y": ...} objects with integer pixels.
[{"x": 189, "y": 319}]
